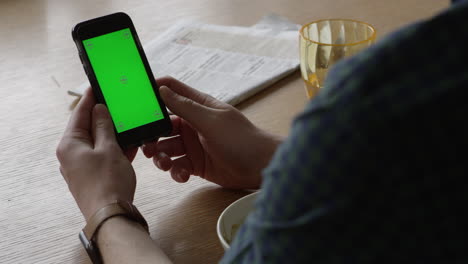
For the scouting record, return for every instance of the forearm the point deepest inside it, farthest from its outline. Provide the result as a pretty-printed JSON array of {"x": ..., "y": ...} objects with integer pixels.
[{"x": 124, "y": 241}]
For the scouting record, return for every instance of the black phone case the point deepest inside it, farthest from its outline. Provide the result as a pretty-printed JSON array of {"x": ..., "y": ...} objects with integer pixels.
[{"x": 106, "y": 24}]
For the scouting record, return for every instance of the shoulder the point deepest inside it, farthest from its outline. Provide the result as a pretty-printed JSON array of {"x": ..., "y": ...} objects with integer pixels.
[
  {"x": 411, "y": 67},
  {"x": 373, "y": 113}
]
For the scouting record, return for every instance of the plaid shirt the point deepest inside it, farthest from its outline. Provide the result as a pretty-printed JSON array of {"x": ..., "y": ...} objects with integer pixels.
[{"x": 373, "y": 169}]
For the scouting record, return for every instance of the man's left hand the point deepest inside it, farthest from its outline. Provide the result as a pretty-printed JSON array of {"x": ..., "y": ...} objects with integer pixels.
[{"x": 94, "y": 166}]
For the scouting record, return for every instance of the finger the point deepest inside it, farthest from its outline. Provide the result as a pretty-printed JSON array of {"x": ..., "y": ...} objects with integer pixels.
[
  {"x": 162, "y": 161},
  {"x": 196, "y": 114},
  {"x": 176, "y": 123},
  {"x": 189, "y": 92},
  {"x": 173, "y": 147},
  {"x": 103, "y": 128},
  {"x": 181, "y": 169},
  {"x": 149, "y": 148},
  {"x": 131, "y": 153},
  {"x": 81, "y": 116}
]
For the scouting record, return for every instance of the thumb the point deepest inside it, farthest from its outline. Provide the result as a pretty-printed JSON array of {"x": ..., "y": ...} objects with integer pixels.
[
  {"x": 103, "y": 128},
  {"x": 196, "y": 114}
]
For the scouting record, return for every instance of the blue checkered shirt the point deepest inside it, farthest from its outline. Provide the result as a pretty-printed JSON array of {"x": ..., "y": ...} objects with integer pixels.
[{"x": 373, "y": 170}]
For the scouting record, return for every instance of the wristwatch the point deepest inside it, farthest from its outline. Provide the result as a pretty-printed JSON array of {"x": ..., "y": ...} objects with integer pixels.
[{"x": 87, "y": 235}]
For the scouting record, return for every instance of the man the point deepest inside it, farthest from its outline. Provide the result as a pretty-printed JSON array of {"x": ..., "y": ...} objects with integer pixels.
[{"x": 372, "y": 170}]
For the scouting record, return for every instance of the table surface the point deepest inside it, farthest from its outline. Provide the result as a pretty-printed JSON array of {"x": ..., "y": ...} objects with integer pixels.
[{"x": 39, "y": 220}]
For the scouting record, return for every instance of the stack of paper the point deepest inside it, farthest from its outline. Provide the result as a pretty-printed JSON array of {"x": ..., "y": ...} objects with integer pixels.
[{"x": 229, "y": 63}]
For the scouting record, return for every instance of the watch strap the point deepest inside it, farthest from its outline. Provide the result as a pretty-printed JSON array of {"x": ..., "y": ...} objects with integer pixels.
[
  {"x": 87, "y": 235},
  {"x": 118, "y": 208}
]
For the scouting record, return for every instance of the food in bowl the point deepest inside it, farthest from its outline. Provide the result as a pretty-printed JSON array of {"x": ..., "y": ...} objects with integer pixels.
[
  {"x": 234, "y": 229},
  {"x": 232, "y": 218}
]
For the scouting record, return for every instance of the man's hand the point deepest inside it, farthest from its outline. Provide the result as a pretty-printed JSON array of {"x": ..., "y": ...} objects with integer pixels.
[
  {"x": 94, "y": 166},
  {"x": 211, "y": 139}
]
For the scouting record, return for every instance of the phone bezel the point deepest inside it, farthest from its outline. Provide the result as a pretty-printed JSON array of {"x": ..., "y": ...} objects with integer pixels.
[{"x": 107, "y": 24}]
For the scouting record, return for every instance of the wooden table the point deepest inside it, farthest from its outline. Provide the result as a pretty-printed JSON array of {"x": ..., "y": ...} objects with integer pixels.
[{"x": 39, "y": 220}]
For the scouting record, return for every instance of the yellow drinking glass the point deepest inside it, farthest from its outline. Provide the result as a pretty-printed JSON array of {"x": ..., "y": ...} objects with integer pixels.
[{"x": 324, "y": 42}]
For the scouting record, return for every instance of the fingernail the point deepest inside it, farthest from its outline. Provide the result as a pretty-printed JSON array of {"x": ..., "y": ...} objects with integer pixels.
[
  {"x": 182, "y": 175},
  {"x": 101, "y": 111},
  {"x": 165, "y": 91},
  {"x": 164, "y": 87},
  {"x": 178, "y": 178},
  {"x": 158, "y": 164},
  {"x": 161, "y": 155}
]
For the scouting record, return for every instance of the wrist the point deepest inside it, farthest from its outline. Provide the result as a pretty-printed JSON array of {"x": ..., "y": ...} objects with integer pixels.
[
  {"x": 92, "y": 205},
  {"x": 100, "y": 219},
  {"x": 268, "y": 144},
  {"x": 117, "y": 224}
]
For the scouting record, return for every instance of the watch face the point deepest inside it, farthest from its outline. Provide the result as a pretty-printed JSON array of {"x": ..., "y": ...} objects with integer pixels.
[
  {"x": 84, "y": 240},
  {"x": 92, "y": 251}
]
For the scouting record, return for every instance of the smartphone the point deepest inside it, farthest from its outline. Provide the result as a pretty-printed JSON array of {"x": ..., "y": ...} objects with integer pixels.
[{"x": 121, "y": 78}]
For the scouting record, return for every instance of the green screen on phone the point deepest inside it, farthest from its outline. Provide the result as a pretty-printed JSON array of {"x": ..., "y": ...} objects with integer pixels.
[{"x": 123, "y": 79}]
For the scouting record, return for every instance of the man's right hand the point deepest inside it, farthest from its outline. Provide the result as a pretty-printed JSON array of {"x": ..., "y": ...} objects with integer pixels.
[{"x": 211, "y": 139}]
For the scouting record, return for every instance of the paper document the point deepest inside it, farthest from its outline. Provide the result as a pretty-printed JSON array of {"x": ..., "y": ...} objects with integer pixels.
[
  {"x": 229, "y": 63},
  {"x": 276, "y": 23}
]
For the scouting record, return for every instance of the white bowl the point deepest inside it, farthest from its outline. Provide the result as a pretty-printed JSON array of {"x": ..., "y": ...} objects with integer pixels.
[{"x": 233, "y": 217}]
